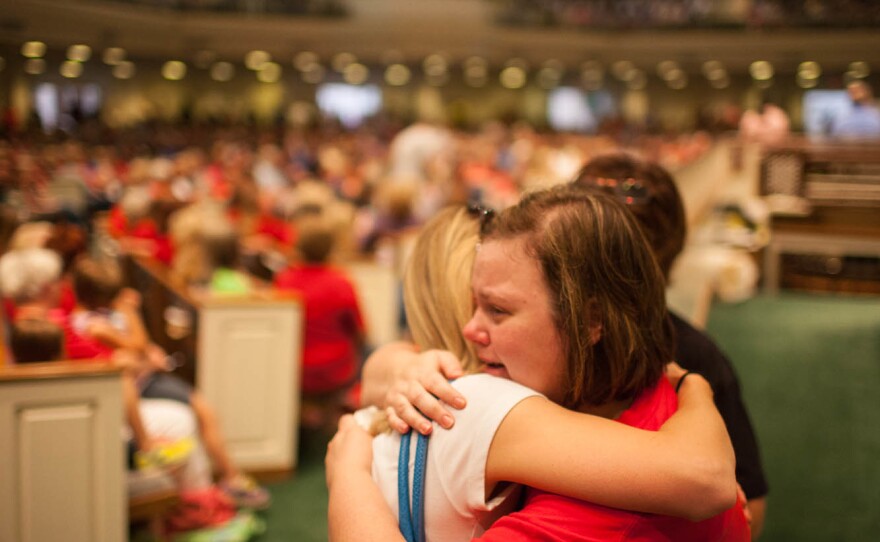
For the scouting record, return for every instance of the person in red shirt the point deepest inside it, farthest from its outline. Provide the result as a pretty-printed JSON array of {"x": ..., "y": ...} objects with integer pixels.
[
  {"x": 334, "y": 327},
  {"x": 568, "y": 301},
  {"x": 550, "y": 517}
]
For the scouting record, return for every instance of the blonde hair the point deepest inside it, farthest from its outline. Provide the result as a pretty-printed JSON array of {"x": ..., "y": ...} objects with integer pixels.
[
  {"x": 26, "y": 273},
  {"x": 436, "y": 283},
  {"x": 437, "y": 294}
]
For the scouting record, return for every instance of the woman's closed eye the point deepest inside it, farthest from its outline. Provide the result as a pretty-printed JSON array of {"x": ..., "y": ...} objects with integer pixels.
[{"x": 496, "y": 311}]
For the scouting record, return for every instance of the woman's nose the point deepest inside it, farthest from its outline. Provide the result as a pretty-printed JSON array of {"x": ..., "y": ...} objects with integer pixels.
[{"x": 474, "y": 332}]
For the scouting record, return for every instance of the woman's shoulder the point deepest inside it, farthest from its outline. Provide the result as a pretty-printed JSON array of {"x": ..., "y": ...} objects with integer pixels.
[{"x": 483, "y": 388}]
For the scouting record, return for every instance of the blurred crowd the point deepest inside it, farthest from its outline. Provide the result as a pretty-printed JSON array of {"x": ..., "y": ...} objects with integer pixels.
[
  {"x": 687, "y": 13},
  {"x": 376, "y": 179}
]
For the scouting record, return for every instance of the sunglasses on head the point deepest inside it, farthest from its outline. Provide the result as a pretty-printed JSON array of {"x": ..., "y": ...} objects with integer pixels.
[
  {"x": 630, "y": 191},
  {"x": 483, "y": 214}
]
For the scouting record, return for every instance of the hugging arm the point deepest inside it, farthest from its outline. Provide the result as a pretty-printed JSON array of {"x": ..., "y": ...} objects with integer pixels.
[
  {"x": 401, "y": 379},
  {"x": 591, "y": 458},
  {"x": 356, "y": 510},
  {"x": 686, "y": 469}
]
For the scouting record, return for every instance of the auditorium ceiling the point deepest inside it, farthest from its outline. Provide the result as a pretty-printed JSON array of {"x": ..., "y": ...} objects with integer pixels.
[{"x": 410, "y": 30}]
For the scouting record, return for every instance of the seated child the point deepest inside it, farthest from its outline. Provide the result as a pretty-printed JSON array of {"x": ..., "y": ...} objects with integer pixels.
[
  {"x": 107, "y": 320},
  {"x": 33, "y": 340},
  {"x": 334, "y": 327}
]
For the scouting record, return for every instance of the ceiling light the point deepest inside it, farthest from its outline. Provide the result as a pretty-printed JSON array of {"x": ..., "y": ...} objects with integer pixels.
[
  {"x": 79, "y": 52},
  {"x": 254, "y": 60},
  {"x": 435, "y": 64},
  {"x": 222, "y": 71},
  {"x": 34, "y": 66},
  {"x": 548, "y": 78},
  {"x": 592, "y": 79},
  {"x": 33, "y": 49},
  {"x": 270, "y": 72},
  {"x": 476, "y": 62},
  {"x": 124, "y": 70},
  {"x": 637, "y": 81},
  {"x": 113, "y": 55},
  {"x": 476, "y": 74},
  {"x": 356, "y": 73},
  {"x": 622, "y": 68},
  {"x": 807, "y": 82},
  {"x": 397, "y": 75},
  {"x": 860, "y": 69},
  {"x": 761, "y": 70},
  {"x": 174, "y": 70},
  {"x": 314, "y": 75},
  {"x": 809, "y": 70},
  {"x": 342, "y": 60},
  {"x": 665, "y": 67},
  {"x": 512, "y": 77},
  {"x": 304, "y": 60},
  {"x": 71, "y": 69},
  {"x": 678, "y": 83},
  {"x": 720, "y": 82}
]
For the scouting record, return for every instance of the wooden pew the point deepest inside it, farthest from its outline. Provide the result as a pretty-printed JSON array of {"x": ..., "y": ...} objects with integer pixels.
[
  {"x": 378, "y": 290},
  {"x": 62, "y": 459},
  {"x": 830, "y": 238},
  {"x": 243, "y": 353}
]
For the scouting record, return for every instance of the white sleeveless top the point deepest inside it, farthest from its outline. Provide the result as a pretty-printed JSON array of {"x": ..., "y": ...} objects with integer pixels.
[{"x": 455, "y": 505}]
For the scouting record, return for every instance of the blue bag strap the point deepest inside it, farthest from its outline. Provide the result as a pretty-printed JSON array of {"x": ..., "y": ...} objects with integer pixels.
[
  {"x": 411, "y": 518},
  {"x": 404, "y": 518}
]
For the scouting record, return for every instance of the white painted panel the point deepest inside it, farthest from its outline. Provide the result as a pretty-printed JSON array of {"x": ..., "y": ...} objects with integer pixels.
[
  {"x": 57, "y": 462},
  {"x": 377, "y": 289},
  {"x": 61, "y": 460},
  {"x": 249, "y": 370}
]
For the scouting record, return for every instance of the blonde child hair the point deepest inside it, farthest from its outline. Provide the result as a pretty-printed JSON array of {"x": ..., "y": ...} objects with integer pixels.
[
  {"x": 436, "y": 284},
  {"x": 436, "y": 293}
]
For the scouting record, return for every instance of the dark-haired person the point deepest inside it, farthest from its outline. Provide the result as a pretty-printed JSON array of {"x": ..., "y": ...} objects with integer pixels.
[
  {"x": 334, "y": 327},
  {"x": 651, "y": 195}
]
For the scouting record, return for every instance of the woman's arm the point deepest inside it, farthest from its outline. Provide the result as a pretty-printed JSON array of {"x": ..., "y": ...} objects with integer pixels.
[
  {"x": 356, "y": 511},
  {"x": 685, "y": 469},
  {"x": 401, "y": 379}
]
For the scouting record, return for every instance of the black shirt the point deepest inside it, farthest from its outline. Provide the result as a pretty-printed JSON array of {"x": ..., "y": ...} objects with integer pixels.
[{"x": 696, "y": 352}]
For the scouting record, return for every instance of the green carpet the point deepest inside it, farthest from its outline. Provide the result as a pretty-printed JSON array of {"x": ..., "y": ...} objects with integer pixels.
[
  {"x": 810, "y": 370},
  {"x": 299, "y": 505}
]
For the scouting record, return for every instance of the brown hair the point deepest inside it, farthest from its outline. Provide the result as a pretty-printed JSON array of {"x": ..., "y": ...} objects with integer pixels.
[
  {"x": 32, "y": 340},
  {"x": 96, "y": 284},
  {"x": 316, "y": 239},
  {"x": 660, "y": 210},
  {"x": 601, "y": 275}
]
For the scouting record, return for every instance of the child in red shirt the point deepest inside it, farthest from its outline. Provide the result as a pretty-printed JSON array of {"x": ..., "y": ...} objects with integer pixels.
[{"x": 334, "y": 325}]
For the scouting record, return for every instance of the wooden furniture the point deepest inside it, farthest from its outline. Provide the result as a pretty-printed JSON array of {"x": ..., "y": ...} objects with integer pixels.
[
  {"x": 825, "y": 229},
  {"x": 61, "y": 453},
  {"x": 243, "y": 352},
  {"x": 378, "y": 290},
  {"x": 151, "y": 497}
]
